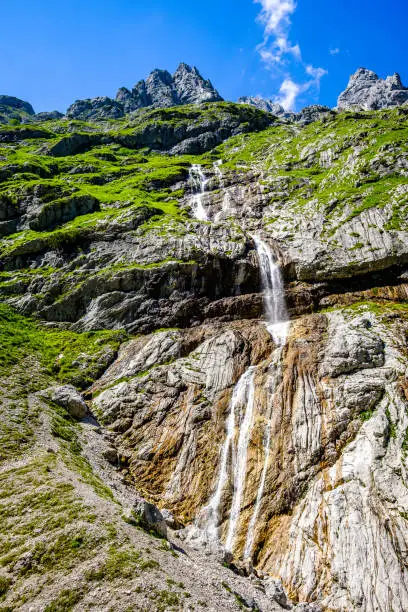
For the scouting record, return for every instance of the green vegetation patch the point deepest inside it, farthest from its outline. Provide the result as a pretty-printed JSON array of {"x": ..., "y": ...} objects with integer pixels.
[{"x": 57, "y": 350}]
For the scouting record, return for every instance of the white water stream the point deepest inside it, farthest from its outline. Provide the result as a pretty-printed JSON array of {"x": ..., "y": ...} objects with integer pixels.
[
  {"x": 249, "y": 543},
  {"x": 227, "y": 208},
  {"x": 242, "y": 398},
  {"x": 274, "y": 293},
  {"x": 246, "y": 399},
  {"x": 278, "y": 327},
  {"x": 198, "y": 182}
]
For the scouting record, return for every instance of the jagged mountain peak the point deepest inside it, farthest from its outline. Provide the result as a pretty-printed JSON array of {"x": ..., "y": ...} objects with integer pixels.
[
  {"x": 160, "y": 90},
  {"x": 367, "y": 91}
]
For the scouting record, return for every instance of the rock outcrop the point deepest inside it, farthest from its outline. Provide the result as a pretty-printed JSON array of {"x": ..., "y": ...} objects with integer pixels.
[
  {"x": 265, "y": 104},
  {"x": 337, "y": 420},
  {"x": 94, "y": 109},
  {"x": 307, "y": 115},
  {"x": 160, "y": 90},
  {"x": 14, "y": 109},
  {"x": 368, "y": 92}
]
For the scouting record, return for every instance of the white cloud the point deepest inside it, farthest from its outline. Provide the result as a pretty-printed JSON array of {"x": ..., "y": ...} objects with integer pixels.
[
  {"x": 275, "y": 14},
  {"x": 277, "y": 51},
  {"x": 316, "y": 73},
  {"x": 289, "y": 91},
  {"x": 335, "y": 51}
]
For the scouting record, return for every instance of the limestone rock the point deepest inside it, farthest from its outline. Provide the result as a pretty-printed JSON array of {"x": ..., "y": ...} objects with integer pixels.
[
  {"x": 16, "y": 103},
  {"x": 266, "y": 105},
  {"x": 274, "y": 589},
  {"x": 304, "y": 117},
  {"x": 95, "y": 109},
  {"x": 309, "y": 114},
  {"x": 159, "y": 90},
  {"x": 171, "y": 520},
  {"x": 162, "y": 90},
  {"x": 111, "y": 455},
  {"x": 48, "y": 116},
  {"x": 368, "y": 92},
  {"x": 68, "y": 397},
  {"x": 334, "y": 415},
  {"x": 191, "y": 88},
  {"x": 12, "y": 108},
  {"x": 150, "y": 516}
]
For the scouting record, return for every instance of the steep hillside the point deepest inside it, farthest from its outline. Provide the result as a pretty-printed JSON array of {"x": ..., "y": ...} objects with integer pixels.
[{"x": 140, "y": 259}]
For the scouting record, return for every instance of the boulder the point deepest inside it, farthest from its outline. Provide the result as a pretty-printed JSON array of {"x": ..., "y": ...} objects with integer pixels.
[
  {"x": 150, "y": 517},
  {"x": 111, "y": 455},
  {"x": 275, "y": 591},
  {"x": 69, "y": 398},
  {"x": 171, "y": 520}
]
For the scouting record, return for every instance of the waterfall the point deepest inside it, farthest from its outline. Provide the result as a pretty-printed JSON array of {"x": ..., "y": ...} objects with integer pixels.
[
  {"x": 278, "y": 326},
  {"x": 243, "y": 399},
  {"x": 218, "y": 173},
  {"x": 243, "y": 395},
  {"x": 249, "y": 543},
  {"x": 226, "y": 200},
  {"x": 274, "y": 293},
  {"x": 198, "y": 182},
  {"x": 246, "y": 396}
]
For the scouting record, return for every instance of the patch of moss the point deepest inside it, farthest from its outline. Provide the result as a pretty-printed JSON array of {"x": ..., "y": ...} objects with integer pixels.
[{"x": 66, "y": 601}]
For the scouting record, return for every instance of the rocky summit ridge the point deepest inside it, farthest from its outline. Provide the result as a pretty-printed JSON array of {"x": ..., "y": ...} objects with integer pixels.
[
  {"x": 203, "y": 359},
  {"x": 365, "y": 91},
  {"x": 159, "y": 90}
]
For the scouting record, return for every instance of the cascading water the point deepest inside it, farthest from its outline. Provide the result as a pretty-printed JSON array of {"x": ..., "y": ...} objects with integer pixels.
[
  {"x": 243, "y": 398},
  {"x": 274, "y": 293},
  {"x": 198, "y": 182},
  {"x": 249, "y": 543},
  {"x": 278, "y": 326},
  {"x": 226, "y": 201},
  {"x": 247, "y": 391}
]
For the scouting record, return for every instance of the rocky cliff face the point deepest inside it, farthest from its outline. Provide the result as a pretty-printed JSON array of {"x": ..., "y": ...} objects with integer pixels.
[
  {"x": 367, "y": 91},
  {"x": 153, "y": 266}
]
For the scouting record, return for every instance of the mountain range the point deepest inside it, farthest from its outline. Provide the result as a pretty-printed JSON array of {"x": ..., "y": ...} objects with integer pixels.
[{"x": 186, "y": 86}]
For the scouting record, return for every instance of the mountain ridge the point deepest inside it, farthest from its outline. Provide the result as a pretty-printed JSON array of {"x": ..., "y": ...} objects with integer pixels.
[{"x": 365, "y": 91}]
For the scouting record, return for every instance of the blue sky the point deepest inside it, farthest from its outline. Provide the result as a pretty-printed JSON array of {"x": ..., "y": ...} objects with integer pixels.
[{"x": 297, "y": 51}]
